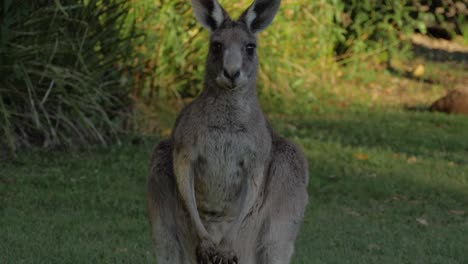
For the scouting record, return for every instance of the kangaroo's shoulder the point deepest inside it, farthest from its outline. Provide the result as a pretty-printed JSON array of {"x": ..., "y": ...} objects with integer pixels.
[{"x": 189, "y": 113}]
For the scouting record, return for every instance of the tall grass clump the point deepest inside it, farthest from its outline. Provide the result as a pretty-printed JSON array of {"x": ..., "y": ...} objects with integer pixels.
[
  {"x": 296, "y": 55},
  {"x": 63, "y": 69},
  {"x": 172, "y": 54},
  {"x": 171, "y": 60}
]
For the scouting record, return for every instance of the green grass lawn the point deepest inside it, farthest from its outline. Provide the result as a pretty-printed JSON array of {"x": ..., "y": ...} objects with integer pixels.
[{"x": 387, "y": 186}]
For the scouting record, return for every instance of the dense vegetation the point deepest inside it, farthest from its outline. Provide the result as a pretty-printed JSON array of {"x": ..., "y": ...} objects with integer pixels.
[
  {"x": 63, "y": 69},
  {"x": 77, "y": 72}
]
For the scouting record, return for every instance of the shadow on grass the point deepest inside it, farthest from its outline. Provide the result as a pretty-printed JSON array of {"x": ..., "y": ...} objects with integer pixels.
[
  {"x": 417, "y": 108},
  {"x": 422, "y": 134},
  {"x": 408, "y": 75},
  {"x": 372, "y": 201},
  {"x": 376, "y": 210},
  {"x": 440, "y": 55},
  {"x": 338, "y": 173}
]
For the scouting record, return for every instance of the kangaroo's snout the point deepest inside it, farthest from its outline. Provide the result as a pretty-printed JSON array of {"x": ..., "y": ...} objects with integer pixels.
[{"x": 231, "y": 75}]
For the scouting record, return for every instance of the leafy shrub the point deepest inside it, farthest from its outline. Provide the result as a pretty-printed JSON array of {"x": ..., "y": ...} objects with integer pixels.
[
  {"x": 375, "y": 24},
  {"x": 173, "y": 52},
  {"x": 62, "y": 65},
  {"x": 443, "y": 15}
]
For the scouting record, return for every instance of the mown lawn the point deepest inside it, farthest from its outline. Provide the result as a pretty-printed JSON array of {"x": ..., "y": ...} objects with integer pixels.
[{"x": 387, "y": 186}]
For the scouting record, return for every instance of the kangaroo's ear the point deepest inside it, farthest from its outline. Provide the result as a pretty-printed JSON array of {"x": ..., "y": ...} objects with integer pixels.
[
  {"x": 209, "y": 13},
  {"x": 260, "y": 14}
]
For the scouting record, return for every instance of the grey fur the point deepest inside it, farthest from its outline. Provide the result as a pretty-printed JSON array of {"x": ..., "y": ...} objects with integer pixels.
[{"x": 225, "y": 188}]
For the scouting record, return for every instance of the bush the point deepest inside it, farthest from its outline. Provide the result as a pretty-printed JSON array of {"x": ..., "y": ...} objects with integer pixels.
[
  {"x": 445, "y": 18},
  {"x": 62, "y": 65},
  {"x": 173, "y": 52},
  {"x": 375, "y": 24}
]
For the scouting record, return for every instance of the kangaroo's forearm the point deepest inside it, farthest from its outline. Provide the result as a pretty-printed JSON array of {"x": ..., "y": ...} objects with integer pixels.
[{"x": 185, "y": 185}]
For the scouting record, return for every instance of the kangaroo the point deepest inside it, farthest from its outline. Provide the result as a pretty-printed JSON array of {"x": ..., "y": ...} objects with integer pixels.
[{"x": 225, "y": 188}]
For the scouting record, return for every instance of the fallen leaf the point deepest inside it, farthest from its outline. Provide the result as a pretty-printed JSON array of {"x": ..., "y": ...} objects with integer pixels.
[
  {"x": 457, "y": 212},
  {"x": 291, "y": 127},
  {"x": 415, "y": 201},
  {"x": 422, "y": 221},
  {"x": 373, "y": 246},
  {"x": 418, "y": 71},
  {"x": 121, "y": 250},
  {"x": 166, "y": 132},
  {"x": 412, "y": 160},
  {"x": 350, "y": 211},
  {"x": 361, "y": 156},
  {"x": 398, "y": 197}
]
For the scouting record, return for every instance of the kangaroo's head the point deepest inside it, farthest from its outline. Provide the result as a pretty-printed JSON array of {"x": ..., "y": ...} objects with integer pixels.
[{"x": 232, "y": 58}]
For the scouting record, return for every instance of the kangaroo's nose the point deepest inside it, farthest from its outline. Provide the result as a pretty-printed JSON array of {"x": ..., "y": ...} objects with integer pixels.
[{"x": 231, "y": 75}]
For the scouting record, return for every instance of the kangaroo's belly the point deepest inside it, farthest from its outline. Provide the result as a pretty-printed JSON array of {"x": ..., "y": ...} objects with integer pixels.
[{"x": 221, "y": 169}]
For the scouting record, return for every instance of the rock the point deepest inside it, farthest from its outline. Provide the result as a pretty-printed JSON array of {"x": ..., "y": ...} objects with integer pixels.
[{"x": 454, "y": 102}]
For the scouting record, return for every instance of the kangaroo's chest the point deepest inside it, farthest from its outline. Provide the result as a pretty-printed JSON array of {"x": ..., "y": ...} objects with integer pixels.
[{"x": 221, "y": 167}]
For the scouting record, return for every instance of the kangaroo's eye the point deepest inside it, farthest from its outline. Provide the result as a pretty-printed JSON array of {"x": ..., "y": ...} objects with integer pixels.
[
  {"x": 216, "y": 46},
  {"x": 250, "y": 48}
]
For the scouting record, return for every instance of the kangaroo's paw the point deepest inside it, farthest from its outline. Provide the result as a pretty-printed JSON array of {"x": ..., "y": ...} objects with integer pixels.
[
  {"x": 205, "y": 252},
  {"x": 224, "y": 257}
]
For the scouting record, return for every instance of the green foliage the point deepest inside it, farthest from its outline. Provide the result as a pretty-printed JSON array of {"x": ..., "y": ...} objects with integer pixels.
[
  {"x": 464, "y": 30},
  {"x": 62, "y": 65},
  {"x": 296, "y": 51},
  {"x": 173, "y": 52},
  {"x": 297, "y": 54},
  {"x": 373, "y": 24},
  {"x": 445, "y": 14},
  {"x": 71, "y": 68}
]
